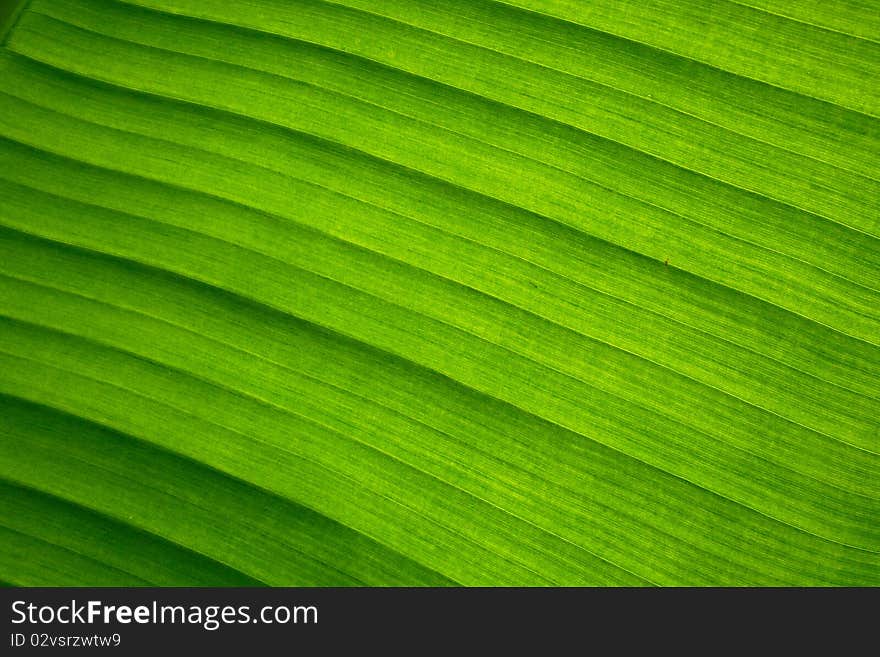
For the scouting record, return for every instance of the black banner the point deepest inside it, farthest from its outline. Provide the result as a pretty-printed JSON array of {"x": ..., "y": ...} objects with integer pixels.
[{"x": 284, "y": 621}]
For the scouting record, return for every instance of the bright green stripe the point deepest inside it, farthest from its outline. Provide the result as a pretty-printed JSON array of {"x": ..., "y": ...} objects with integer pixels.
[
  {"x": 385, "y": 282},
  {"x": 797, "y": 180},
  {"x": 489, "y": 560},
  {"x": 818, "y": 459},
  {"x": 592, "y": 65},
  {"x": 337, "y": 262},
  {"x": 29, "y": 561},
  {"x": 74, "y": 529},
  {"x": 834, "y": 409},
  {"x": 736, "y": 38},
  {"x": 615, "y": 494},
  {"x": 236, "y": 368},
  {"x": 697, "y": 198},
  {"x": 858, "y": 435},
  {"x": 599, "y": 271},
  {"x": 776, "y": 558},
  {"x": 859, "y": 18},
  {"x": 645, "y": 228},
  {"x": 185, "y": 503},
  {"x": 738, "y": 103}
]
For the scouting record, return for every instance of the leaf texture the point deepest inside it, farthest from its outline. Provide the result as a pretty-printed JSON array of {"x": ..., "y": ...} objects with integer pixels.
[{"x": 448, "y": 292}]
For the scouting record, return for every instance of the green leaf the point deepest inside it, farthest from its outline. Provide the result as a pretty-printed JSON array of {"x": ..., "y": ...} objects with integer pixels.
[{"x": 456, "y": 292}]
